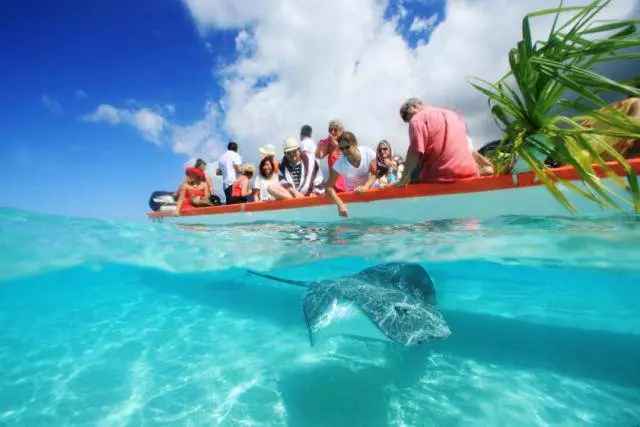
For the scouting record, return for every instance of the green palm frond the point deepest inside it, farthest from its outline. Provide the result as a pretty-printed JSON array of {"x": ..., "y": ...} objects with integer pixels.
[{"x": 550, "y": 78}]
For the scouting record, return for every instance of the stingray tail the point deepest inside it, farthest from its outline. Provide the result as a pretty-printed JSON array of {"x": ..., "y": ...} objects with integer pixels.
[{"x": 278, "y": 279}]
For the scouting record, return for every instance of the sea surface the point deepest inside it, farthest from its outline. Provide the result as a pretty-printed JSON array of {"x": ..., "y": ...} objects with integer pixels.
[{"x": 142, "y": 324}]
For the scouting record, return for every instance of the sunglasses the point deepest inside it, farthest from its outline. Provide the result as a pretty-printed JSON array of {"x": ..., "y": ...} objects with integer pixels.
[
  {"x": 344, "y": 147},
  {"x": 383, "y": 149}
]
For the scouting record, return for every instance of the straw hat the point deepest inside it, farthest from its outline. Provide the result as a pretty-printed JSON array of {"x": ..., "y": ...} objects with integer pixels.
[{"x": 290, "y": 144}]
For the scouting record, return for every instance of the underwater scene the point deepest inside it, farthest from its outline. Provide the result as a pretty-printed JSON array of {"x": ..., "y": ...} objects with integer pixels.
[{"x": 525, "y": 322}]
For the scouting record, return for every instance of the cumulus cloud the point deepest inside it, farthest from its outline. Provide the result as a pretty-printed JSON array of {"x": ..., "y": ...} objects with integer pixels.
[
  {"x": 198, "y": 139},
  {"x": 308, "y": 62},
  {"x": 104, "y": 113},
  {"x": 150, "y": 124}
]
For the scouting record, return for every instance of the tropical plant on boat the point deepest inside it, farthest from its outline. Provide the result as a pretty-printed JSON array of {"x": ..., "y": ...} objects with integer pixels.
[{"x": 541, "y": 104}]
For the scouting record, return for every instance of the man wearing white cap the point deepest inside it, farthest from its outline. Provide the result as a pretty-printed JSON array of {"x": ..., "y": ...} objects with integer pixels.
[{"x": 300, "y": 174}]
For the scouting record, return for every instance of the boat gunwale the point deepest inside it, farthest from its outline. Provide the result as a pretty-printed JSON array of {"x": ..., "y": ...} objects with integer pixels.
[{"x": 472, "y": 185}]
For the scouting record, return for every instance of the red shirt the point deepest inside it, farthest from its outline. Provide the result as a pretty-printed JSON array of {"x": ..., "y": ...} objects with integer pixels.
[{"x": 440, "y": 135}]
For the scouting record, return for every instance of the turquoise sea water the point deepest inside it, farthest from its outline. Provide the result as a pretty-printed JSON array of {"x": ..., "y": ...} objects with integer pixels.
[{"x": 140, "y": 324}]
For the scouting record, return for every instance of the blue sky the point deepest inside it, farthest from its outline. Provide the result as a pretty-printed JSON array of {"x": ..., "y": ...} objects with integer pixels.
[
  {"x": 77, "y": 54},
  {"x": 60, "y": 60}
]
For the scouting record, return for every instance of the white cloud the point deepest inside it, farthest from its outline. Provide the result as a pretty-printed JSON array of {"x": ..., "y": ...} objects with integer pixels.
[
  {"x": 199, "y": 139},
  {"x": 310, "y": 61},
  {"x": 421, "y": 25},
  {"x": 150, "y": 124},
  {"x": 80, "y": 94},
  {"x": 51, "y": 104},
  {"x": 104, "y": 113}
]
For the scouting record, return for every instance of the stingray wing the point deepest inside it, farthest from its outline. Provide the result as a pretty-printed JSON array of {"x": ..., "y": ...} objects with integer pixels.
[
  {"x": 359, "y": 309},
  {"x": 408, "y": 277}
]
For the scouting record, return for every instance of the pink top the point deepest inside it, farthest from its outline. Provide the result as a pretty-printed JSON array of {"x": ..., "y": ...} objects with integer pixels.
[
  {"x": 334, "y": 155},
  {"x": 440, "y": 135}
]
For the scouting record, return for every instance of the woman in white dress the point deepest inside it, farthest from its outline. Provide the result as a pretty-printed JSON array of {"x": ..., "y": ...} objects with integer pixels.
[{"x": 358, "y": 167}]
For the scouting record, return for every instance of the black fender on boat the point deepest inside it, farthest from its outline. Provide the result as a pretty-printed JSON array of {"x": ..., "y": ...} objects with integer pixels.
[{"x": 161, "y": 198}]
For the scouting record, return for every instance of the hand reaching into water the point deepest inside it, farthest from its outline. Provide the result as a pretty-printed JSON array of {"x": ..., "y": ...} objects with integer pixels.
[
  {"x": 342, "y": 211},
  {"x": 360, "y": 189}
]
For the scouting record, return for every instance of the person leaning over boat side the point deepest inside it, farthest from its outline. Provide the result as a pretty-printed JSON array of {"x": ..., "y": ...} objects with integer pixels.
[
  {"x": 358, "y": 167},
  {"x": 329, "y": 147},
  {"x": 306, "y": 143},
  {"x": 241, "y": 188},
  {"x": 300, "y": 174},
  {"x": 229, "y": 165},
  {"x": 195, "y": 191},
  {"x": 266, "y": 182},
  {"x": 438, "y": 143}
]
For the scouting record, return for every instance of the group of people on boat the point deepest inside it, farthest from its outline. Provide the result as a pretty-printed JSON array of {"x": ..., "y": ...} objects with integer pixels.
[{"x": 439, "y": 151}]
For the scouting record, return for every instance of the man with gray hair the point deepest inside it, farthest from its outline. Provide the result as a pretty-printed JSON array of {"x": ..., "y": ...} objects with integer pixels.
[{"x": 438, "y": 145}]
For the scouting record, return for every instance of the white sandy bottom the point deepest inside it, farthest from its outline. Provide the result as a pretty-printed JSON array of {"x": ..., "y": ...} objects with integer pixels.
[{"x": 136, "y": 355}]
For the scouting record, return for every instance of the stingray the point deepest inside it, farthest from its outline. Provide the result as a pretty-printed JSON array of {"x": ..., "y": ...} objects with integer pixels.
[{"x": 391, "y": 302}]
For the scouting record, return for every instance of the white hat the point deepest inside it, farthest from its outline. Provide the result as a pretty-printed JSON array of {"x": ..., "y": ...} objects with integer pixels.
[{"x": 290, "y": 144}]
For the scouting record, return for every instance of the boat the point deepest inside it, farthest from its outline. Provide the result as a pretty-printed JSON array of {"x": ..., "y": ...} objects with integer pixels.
[{"x": 478, "y": 198}]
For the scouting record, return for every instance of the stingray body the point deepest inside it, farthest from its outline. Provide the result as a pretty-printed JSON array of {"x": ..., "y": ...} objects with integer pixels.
[{"x": 391, "y": 302}]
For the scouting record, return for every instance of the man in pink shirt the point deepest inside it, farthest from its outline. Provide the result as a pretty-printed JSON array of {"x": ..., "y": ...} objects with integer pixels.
[{"x": 438, "y": 142}]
